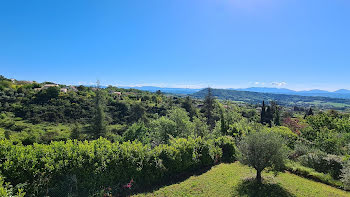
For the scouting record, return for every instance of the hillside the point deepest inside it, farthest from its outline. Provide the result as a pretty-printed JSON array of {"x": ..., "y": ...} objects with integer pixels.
[
  {"x": 282, "y": 99},
  {"x": 342, "y": 93},
  {"x": 232, "y": 180}
]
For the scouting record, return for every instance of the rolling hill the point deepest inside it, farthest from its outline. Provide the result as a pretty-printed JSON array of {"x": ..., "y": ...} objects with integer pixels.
[
  {"x": 281, "y": 99},
  {"x": 342, "y": 93}
]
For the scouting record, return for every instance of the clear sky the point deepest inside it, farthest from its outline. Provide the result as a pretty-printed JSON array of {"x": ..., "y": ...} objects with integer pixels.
[{"x": 297, "y": 44}]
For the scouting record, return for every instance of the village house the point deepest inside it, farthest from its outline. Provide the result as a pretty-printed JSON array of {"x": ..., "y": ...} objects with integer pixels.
[{"x": 48, "y": 86}]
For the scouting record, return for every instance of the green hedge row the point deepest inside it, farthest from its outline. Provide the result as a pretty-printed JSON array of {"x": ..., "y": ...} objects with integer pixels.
[
  {"x": 82, "y": 168},
  {"x": 310, "y": 173}
]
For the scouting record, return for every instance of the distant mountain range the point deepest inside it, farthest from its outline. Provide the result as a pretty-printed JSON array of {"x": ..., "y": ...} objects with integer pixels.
[
  {"x": 342, "y": 93},
  {"x": 255, "y": 97},
  {"x": 165, "y": 90}
]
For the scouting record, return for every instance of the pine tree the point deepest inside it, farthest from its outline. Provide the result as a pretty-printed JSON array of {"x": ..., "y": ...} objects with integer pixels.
[
  {"x": 209, "y": 108},
  {"x": 98, "y": 122},
  {"x": 76, "y": 132},
  {"x": 188, "y": 106},
  {"x": 224, "y": 126}
]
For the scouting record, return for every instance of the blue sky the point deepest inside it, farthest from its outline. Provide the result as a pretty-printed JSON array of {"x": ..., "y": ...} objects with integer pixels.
[{"x": 297, "y": 44}]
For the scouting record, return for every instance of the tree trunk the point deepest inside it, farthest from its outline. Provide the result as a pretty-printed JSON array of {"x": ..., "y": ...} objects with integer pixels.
[{"x": 258, "y": 176}]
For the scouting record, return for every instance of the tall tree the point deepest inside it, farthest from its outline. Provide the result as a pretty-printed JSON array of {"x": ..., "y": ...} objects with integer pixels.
[
  {"x": 263, "y": 113},
  {"x": 309, "y": 113},
  {"x": 137, "y": 112},
  {"x": 224, "y": 125},
  {"x": 188, "y": 106},
  {"x": 276, "y": 118},
  {"x": 269, "y": 116},
  {"x": 209, "y": 109},
  {"x": 275, "y": 112},
  {"x": 99, "y": 122}
]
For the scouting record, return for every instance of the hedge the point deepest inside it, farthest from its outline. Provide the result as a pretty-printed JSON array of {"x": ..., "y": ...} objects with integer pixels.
[{"x": 84, "y": 167}]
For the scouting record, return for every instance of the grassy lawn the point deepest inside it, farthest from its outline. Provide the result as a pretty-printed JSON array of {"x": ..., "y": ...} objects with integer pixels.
[{"x": 236, "y": 180}]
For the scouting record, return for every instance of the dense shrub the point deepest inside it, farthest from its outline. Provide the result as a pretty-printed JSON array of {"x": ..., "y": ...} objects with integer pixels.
[
  {"x": 85, "y": 167},
  {"x": 324, "y": 163},
  {"x": 345, "y": 176},
  {"x": 288, "y": 135},
  {"x": 228, "y": 147},
  {"x": 8, "y": 190},
  {"x": 311, "y": 173},
  {"x": 314, "y": 160}
]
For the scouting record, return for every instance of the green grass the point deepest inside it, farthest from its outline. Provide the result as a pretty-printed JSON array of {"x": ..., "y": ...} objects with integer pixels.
[
  {"x": 322, "y": 103},
  {"x": 237, "y": 180}
]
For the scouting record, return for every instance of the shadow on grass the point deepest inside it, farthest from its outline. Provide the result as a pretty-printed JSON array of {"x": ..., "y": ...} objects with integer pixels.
[
  {"x": 251, "y": 187},
  {"x": 174, "y": 179}
]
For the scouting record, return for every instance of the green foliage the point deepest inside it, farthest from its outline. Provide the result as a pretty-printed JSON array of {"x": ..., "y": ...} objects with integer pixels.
[
  {"x": 209, "y": 107},
  {"x": 228, "y": 146},
  {"x": 345, "y": 176},
  {"x": 189, "y": 107},
  {"x": 7, "y": 190},
  {"x": 324, "y": 163},
  {"x": 100, "y": 163},
  {"x": 98, "y": 127},
  {"x": 137, "y": 131},
  {"x": 76, "y": 132},
  {"x": 289, "y": 137},
  {"x": 311, "y": 173},
  {"x": 261, "y": 150}
]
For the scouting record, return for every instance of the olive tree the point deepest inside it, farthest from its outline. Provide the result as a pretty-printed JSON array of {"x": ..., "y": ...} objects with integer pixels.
[{"x": 262, "y": 150}]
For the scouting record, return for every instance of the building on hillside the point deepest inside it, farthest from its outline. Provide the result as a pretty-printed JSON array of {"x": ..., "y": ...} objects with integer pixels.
[
  {"x": 117, "y": 94},
  {"x": 64, "y": 90},
  {"x": 48, "y": 86},
  {"x": 72, "y": 88}
]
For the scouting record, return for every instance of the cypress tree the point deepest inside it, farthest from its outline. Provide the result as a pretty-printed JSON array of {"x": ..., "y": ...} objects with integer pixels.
[
  {"x": 276, "y": 119},
  {"x": 263, "y": 113},
  {"x": 309, "y": 113},
  {"x": 269, "y": 116}
]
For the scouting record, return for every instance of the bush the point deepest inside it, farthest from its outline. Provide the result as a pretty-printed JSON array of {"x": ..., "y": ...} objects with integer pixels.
[
  {"x": 312, "y": 174},
  {"x": 322, "y": 162},
  {"x": 301, "y": 149},
  {"x": 7, "y": 190},
  {"x": 83, "y": 168},
  {"x": 228, "y": 147},
  {"x": 314, "y": 160},
  {"x": 287, "y": 134},
  {"x": 345, "y": 177},
  {"x": 334, "y": 165}
]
